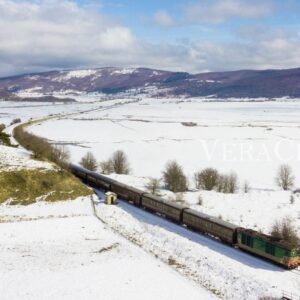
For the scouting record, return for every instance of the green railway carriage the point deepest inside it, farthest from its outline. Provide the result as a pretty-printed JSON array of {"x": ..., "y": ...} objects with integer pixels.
[{"x": 269, "y": 247}]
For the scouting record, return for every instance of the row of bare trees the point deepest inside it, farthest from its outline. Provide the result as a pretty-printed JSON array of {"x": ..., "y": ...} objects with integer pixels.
[
  {"x": 117, "y": 163},
  {"x": 206, "y": 179},
  {"x": 210, "y": 179},
  {"x": 40, "y": 147},
  {"x": 175, "y": 180},
  {"x": 284, "y": 230}
]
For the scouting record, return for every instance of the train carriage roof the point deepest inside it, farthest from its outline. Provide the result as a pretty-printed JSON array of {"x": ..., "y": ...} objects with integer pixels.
[
  {"x": 164, "y": 201},
  {"x": 101, "y": 177},
  {"x": 211, "y": 219},
  {"x": 128, "y": 187}
]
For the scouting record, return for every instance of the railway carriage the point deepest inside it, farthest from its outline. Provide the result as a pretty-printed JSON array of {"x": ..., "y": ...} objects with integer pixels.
[
  {"x": 100, "y": 181},
  {"x": 274, "y": 249},
  {"x": 204, "y": 223},
  {"x": 166, "y": 208},
  {"x": 127, "y": 192},
  {"x": 78, "y": 171}
]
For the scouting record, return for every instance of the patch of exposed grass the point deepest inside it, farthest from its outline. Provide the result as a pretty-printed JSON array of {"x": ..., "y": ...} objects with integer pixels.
[{"x": 26, "y": 186}]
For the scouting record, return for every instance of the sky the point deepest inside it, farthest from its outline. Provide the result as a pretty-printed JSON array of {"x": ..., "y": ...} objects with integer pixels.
[{"x": 192, "y": 35}]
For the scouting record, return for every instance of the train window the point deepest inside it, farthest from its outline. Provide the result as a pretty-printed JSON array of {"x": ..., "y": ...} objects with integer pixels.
[{"x": 270, "y": 249}]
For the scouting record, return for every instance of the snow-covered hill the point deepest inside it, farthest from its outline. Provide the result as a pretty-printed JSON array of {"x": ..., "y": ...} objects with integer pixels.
[{"x": 139, "y": 82}]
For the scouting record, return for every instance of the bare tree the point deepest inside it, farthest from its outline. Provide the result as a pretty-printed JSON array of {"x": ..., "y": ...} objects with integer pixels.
[
  {"x": 286, "y": 231},
  {"x": 206, "y": 179},
  {"x": 120, "y": 162},
  {"x": 89, "y": 162},
  {"x": 221, "y": 184},
  {"x": 232, "y": 183},
  {"x": 285, "y": 178},
  {"x": 60, "y": 155},
  {"x": 2, "y": 127},
  {"x": 246, "y": 187},
  {"x": 276, "y": 230},
  {"x": 227, "y": 183},
  {"x": 174, "y": 178},
  {"x": 106, "y": 167},
  {"x": 153, "y": 186},
  {"x": 289, "y": 233}
]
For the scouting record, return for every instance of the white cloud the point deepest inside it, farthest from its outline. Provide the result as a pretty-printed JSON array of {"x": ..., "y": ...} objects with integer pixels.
[
  {"x": 163, "y": 19},
  {"x": 218, "y": 11},
  {"x": 59, "y": 33},
  {"x": 55, "y": 34}
]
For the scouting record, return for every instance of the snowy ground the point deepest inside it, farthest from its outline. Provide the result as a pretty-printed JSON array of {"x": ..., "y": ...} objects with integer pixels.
[
  {"x": 251, "y": 139},
  {"x": 229, "y": 272},
  {"x": 64, "y": 252}
]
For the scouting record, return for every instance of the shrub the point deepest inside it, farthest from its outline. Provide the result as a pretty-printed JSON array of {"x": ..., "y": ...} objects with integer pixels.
[
  {"x": 246, "y": 187},
  {"x": 285, "y": 178},
  {"x": 89, "y": 162},
  {"x": 5, "y": 139},
  {"x": 15, "y": 121},
  {"x": 2, "y": 127},
  {"x": 232, "y": 183},
  {"x": 227, "y": 183},
  {"x": 60, "y": 155},
  {"x": 174, "y": 178},
  {"x": 106, "y": 167},
  {"x": 120, "y": 162},
  {"x": 206, "y": 179},
  {"x": 285, "y": 230},
  {"x": 153, "y": 186}
]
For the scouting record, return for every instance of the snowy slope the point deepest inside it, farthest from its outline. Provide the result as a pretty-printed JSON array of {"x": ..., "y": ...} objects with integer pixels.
[
  {"x": 12, "y": 159},
  {"x": 245, "y": 84},
  {"x": 64, "y": 252}
]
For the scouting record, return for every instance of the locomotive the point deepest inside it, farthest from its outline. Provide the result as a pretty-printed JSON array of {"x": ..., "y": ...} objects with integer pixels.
[{"x": 262, "y": 245}]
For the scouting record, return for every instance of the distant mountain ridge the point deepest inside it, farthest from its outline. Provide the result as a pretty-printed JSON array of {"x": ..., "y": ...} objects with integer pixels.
[{"x": 156, "y": 83}]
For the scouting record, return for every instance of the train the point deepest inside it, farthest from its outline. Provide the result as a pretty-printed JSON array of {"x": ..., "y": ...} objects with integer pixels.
[{"x": 264, "y": 246}]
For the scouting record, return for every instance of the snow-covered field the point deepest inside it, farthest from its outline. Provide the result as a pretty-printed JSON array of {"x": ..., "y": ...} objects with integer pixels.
[
  {"x": 61, "y": 251},
  {"x": 251, "y": 139}
]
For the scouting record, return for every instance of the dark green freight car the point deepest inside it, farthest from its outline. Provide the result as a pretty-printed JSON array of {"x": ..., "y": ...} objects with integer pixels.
[{"x": 269, "y": 247}]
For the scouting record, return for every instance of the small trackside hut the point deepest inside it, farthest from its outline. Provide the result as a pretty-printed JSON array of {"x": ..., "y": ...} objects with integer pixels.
[{"x": 110, "y": 198}]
